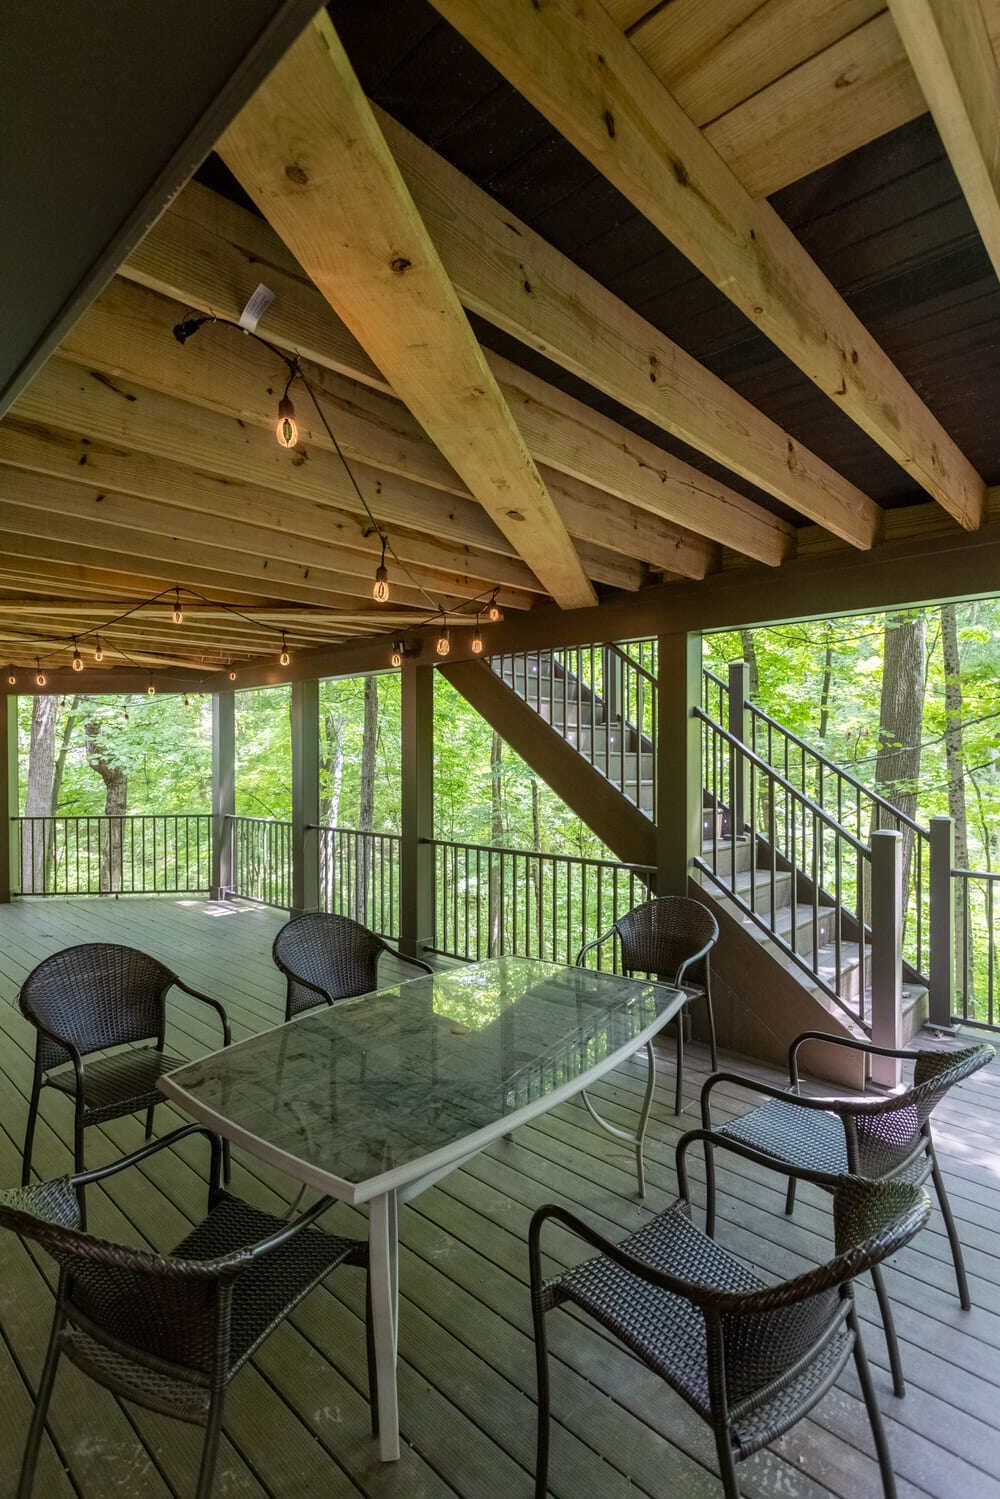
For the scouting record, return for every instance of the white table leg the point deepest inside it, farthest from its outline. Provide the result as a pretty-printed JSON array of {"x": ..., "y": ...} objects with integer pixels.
[{"x": 383, "y": 1248}]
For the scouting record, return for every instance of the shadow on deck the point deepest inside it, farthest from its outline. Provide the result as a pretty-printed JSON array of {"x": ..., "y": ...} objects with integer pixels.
[{"x": 297, "y": 1421}]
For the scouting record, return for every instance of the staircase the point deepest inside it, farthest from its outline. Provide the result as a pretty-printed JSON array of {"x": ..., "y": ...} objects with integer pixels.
[{"x": 788, "y": 889}]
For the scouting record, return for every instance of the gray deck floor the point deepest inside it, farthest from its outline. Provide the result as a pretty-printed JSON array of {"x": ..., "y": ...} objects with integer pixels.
[{"x": 297, "y": 1422}]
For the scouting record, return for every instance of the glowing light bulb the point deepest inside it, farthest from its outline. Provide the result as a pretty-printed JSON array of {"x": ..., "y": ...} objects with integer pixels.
[
  {"x": 476, "y": 644},
  {"x": 232, "y": 676},
  {"x": 150, "y": 692},
  {"x": 284, "y": 658},
  {"x": 380, "y": 592},
  {"x": 178, "y": 615},
  {"x": 396, "y": 659},
  {"x": 494, "y": 612},
  {"x": 77, "y": 662},
  {"x": 11, "y": 679},
  {"x": 443, "y": 644},
  {"x": 40, "y": 677},
  {"x": 99, "y": 652},
  {"x": 285, "y": 430}
]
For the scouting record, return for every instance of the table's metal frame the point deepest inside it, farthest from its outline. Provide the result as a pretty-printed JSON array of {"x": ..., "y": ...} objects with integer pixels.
[{"x": 385, "y": 1194}]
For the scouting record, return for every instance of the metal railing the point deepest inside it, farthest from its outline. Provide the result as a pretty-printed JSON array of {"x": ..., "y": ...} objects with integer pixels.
[
  {"x": 807, "y": 881},
  {"x": 852, "y": 805},
  {"x": 976, "y": 895},
  {"x": 139, "y": 854},
  {"x": 602, "y": 700},
  {"x": 359, "y": 877},
  {"x": 260, "y": 860},
  {"x": 489, "y": 902}
]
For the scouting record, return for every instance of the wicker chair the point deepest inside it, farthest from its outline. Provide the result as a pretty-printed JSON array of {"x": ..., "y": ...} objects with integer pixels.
[
  {"x": 750, "y": 1358},
  {"x": 325, "y": 958},
  {"x": 169, "y": 1332},
  {"x": 671, "y": 938},
  {"x": 85, "y": 999},
  {"x": 882, "y": 1137}
]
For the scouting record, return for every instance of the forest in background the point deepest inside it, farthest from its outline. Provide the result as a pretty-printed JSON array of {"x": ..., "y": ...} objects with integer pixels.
[{"x": 907, "y": 701}]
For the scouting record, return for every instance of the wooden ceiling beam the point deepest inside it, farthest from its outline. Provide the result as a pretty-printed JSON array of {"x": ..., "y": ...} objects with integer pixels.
[
  {"x": 206, "y": 253},
  {"x": 509, "y": 275},
  {"x": 571, "y": 61},
  {"x": 127, "y": 336},
  {"x": 950, "y": 50},
  {"x": 310, "y": 153}
]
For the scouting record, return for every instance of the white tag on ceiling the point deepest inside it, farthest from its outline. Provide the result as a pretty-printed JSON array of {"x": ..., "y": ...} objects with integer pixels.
[{"x": 256, "y": 307}]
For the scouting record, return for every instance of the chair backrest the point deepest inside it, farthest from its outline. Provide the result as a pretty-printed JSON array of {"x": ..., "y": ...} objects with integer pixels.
[
  {"x": 95, "y": 995},
  {"x": 764, "y": 1334},
  {"x": 666, "y": 936},
  {"x": 338, "y": 955},
  {"x": 888, "y": 1129},
  {"x": 165, "y": 1309}
]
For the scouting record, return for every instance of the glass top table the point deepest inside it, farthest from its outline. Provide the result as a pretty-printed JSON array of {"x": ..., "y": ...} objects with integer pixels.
[{"x": 375, "y": 1098}]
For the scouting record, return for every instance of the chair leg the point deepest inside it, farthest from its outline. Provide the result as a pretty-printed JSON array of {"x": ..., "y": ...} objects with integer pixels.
[
  {"x": 542, "y": 1370},
  {"x": 679, "y": 1083},
  {"x": 149, "y": 1120},
  {"x": 227, "y": 1164},
  {"x": 370, "y": 1354},
  {"x": 727, "y": 1463},
  {"x": 709, "y": 1190},
  {"x": 790, "y": 1196},
  {"x": 210, "y": 1450},
  {"x": 874, "y": 1414},
  {"x": 42, "y": 1399},
  {"x": 953, "y": 1239},
  {"x": 888, "y": 1322},
  {"x": 79, "y": 1159},
  {"x": 29, "y": 1133},
  {"x": 713, "y": 1046}
]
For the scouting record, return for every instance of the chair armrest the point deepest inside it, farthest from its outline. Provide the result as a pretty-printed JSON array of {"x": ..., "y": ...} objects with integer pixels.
[
  {"x": 767, "y": 1089},
  {"x": 66, "y": 1046},
  {"x": 869, "y": 1047},
  {"x": 98, "y": 1173},
  {"x": 406, "y": 958},
  {"x": 578, "y": 960},
  {"x": 214, "y": 1004},
  {"x": 690, "y": 1290},
  {"x": 831, "y": 1179}
]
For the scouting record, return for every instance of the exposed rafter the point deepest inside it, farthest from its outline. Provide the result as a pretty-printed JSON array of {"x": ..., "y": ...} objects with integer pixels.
[
  {"x": 309, "y": 151},
  {"x": 571, "y": 61},
  {"x": 951, "y": 53}
]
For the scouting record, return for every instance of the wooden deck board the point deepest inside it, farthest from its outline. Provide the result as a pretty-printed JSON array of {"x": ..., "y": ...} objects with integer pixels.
[{"x": 297, "y": 1420}]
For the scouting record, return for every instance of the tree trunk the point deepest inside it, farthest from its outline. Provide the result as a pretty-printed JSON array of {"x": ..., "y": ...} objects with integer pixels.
[
  {"x": 955, "y": 761},
  {"x": 329, "y": 809},
  {"x": 112, "y": 773},
  {"x": 824, "y": 696},
  {"x": 36, "y": 843},
  {"x": 72, "y": 717},
  {"x": 897, "y": 764},
  {"x": 497, "y": 840},
  {"x": 366, "y": 801},
  {"x": 750, "y": 657}
]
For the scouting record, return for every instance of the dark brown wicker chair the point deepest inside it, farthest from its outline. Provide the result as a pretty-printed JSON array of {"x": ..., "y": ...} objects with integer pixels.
[
  {"x": 750, "y": 1358},
  {"x": 879, "y": 1136},
  {"x": 89, "y": 998},
  {"x": 671, "y": 939},
  {"x": 325, "y": 958},
  {"x": 169, "y": 1332}
]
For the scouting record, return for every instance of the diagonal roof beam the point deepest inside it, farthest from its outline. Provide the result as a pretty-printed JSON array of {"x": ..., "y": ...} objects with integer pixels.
[
  {"x": 569, "y": 59},
  {"x": 309, "y": 151},
  {"x": 949, "y": 46}
]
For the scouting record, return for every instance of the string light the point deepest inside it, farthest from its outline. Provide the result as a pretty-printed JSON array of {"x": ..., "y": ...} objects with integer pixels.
[
  {"x": 77, "y": 662},
  {"x": 396, "y": 659},
  {"x": 178, "y": 613},
  {"x": 150, "y": 692},
  {"x": 380, "y": 592},
  {"x": 40, "y": 677},
  {"x": 476, "y": 643},
  {"x": 443, "y": 643},
  {"x": 99, "y": 652},
  {"x": 286, "y": 430},
  {"x": 284, "y": 658},
  {"x": 232, "y": 676},
  {"x": 493, "y": 611},
  {"x": 11, "y": 679}
]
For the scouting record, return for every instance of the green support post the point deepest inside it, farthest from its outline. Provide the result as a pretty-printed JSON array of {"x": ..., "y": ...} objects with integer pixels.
[
  {"x": 223, "y": 790},
  {"x": 416, "y": 899},
  {"x": 679, "y": 809},
  {"x": 305, "y": 796},
  {"x": 9, "y": 800}
]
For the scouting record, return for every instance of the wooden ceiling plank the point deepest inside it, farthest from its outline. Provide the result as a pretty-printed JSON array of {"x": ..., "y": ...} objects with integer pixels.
[
  {"x": 151, "y": 478},
  {"x": 571, "y": 61},
  {"x": 309, "y": 151},
  {"x": 209, "y": 257},
  {"x": 125, "y": 337},
  {"x": 952, "y": 56}
]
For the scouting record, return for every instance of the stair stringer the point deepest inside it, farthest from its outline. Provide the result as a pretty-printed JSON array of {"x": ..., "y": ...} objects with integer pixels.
[
  {"x": 618, "y": 822},
  {"x": 762, "y": 1001}
]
